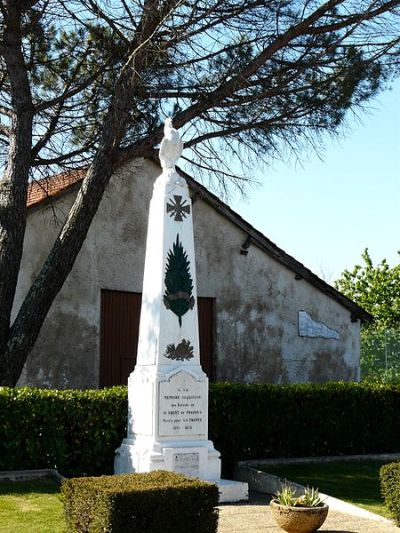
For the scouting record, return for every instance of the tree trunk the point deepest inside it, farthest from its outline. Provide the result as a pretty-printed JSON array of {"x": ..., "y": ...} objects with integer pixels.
[
  {"x": 55, "y": 270},
  {"x": 60, "y": 261},
  {"x": 13, "y": 185}
]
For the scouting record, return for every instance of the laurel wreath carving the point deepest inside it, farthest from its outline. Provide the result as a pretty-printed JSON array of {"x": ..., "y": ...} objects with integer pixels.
[{"x": 182, "y": 352}]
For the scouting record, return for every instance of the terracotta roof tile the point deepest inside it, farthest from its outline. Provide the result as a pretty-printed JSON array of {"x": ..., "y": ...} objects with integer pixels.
[{"x": 40, "y": 190}]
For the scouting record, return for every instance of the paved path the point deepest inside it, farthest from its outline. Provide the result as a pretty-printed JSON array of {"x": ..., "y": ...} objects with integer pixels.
[{"x": 255, "y": 517}]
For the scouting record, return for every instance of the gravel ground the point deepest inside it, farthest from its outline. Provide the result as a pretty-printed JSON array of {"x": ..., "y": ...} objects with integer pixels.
[{"x": 255, "y": 517}]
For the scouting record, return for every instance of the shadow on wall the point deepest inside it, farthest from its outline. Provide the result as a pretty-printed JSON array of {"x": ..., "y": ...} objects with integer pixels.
[{"x": 66, "y": 356}]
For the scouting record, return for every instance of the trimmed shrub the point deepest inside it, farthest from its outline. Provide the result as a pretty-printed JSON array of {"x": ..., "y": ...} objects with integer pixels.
[
  {"x": 78, "y": 431},
  {"x": 74, "y": 431},
  {"x": 303, "y": 420},
  {"x": 160, "y": 502},
  {"x": 390, "y": 488}
]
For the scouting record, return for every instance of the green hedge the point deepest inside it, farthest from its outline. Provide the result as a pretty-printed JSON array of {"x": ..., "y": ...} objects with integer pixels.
[
  {"x": 74, "y": 431},
  {"x": 261, "y": 421},
  {"x": 78, "y": 431},
  {"x": 160, "y": 502},
  {"x": 390, "y": 488}
]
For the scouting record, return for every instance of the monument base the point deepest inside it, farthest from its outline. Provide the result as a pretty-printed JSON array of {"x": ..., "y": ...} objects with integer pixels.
[
  {"x": 202, "y": 462},
  {"x": 197, "y": 459},
  {"x": 232, "y": 491}
]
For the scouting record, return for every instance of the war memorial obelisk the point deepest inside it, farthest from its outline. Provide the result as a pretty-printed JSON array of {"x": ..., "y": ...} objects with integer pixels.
[{"x": 168, "y": 390}]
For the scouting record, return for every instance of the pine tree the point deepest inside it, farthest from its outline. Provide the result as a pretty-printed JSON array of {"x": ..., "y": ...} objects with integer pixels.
[
  {"x": 93, "y": 86},
  {"x": 178, "y": 281}
]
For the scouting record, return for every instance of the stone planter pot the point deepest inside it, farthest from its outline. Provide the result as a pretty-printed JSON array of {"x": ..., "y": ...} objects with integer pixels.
[{"x": 299, "y": 519}]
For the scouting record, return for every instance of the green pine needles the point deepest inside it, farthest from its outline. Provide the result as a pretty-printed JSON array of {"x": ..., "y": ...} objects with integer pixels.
[{"x": 178, "y": 295}]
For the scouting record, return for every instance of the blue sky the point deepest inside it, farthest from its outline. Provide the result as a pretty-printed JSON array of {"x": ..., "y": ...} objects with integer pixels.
[{"x": 325, "y": 213}]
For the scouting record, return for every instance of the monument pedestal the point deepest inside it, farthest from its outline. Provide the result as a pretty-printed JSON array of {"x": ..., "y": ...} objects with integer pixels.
[
  {"x": 167, "y": 428},
  {"x": 168, "y": 390},
  {"x": 167, "y": 423}
]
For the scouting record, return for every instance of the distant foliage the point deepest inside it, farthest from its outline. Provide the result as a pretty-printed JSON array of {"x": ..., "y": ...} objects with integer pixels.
[
  {"x": 156, "y": 502},
  {"x": 376, "y": 288},
  {"x": 78, "y": 431},
  {"x": 380, "y": 355}
]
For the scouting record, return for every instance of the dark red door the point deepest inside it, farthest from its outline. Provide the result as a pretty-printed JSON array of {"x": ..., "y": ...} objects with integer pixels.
[
  {"x": 205, "y": 308},
  {"x": 119, "y": 334}
]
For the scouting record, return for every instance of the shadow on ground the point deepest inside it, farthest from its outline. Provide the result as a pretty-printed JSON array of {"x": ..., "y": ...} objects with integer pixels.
[{"x": 37, "y": 486}]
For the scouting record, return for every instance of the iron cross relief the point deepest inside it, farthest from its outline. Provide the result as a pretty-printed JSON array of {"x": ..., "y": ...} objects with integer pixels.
[{"x": 178, "y": 209}]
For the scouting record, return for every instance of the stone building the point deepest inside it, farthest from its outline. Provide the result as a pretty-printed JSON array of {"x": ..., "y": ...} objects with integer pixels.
[{"x": 264, "y": 317}]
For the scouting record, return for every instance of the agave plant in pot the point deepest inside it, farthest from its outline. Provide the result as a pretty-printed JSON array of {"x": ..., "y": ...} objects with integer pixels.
[{"x": 298, "y": 514}]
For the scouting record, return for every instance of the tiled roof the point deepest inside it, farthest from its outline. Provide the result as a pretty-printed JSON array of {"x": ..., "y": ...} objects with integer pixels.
[
  {"x": 41, "y": 190},
  {"x": 53, "y": 186}
]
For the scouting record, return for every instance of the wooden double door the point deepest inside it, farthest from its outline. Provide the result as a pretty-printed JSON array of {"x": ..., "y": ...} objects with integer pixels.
[{"x": 119, "y": 335}]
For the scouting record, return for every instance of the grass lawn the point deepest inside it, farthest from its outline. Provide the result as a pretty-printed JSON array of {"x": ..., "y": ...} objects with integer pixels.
[
  {"x": 356, "y": 482},
  {"x": 30, "y": 507}
]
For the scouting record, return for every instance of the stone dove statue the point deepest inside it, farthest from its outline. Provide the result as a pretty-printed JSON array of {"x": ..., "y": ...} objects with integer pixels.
[{"x": 171, "y": 146}]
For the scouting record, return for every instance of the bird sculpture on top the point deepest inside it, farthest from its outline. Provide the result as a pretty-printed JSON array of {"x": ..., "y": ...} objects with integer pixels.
[{"x": 171, "y": 146}]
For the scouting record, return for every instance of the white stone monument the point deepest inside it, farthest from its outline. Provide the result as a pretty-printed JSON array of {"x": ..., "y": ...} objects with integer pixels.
[{"x": 168, "y": 390}]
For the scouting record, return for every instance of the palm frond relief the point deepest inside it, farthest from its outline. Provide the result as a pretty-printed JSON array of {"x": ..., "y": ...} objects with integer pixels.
[{"x": 178, "y": 295}]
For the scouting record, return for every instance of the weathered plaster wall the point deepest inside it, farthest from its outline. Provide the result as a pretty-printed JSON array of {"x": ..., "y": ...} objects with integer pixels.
[
  {"x": 66, "y": 353},
  {"x": 257, "y": 299}
]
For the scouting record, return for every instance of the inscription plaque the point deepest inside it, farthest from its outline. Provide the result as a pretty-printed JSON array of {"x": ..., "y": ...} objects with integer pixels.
[
  {"x": 182, "y": 406},
  {"x": 186, "y": 463}
]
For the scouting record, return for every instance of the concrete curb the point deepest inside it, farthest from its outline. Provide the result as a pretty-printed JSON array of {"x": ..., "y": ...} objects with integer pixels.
[
  {"x": 269, "y": 484},
  {"x": 28, "y": 475},
  {"x": 323, "y": 459}
]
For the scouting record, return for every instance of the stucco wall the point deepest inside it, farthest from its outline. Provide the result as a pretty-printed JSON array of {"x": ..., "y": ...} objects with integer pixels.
[{"x": 257, "y": 299}]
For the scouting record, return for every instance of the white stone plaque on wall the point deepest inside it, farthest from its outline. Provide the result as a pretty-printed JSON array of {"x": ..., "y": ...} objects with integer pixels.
[
  {"x": 182, "y": 406},
  {"x": 311, "y": 328},
  {"x": 187, "y": 463}
]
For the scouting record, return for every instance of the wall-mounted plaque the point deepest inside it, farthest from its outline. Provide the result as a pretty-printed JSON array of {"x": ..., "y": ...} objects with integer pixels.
[{"x": 311, "y": 328}]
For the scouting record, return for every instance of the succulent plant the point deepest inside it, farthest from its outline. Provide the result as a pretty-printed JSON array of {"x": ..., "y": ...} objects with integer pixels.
[{"x": 287, "y": 496}]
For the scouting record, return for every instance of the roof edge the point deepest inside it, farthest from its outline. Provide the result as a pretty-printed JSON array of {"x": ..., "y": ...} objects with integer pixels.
[
  {"x": 265, "y": 244},
  {"x": 66, "y": 181},
  {"x": 42, "y": 190}
]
